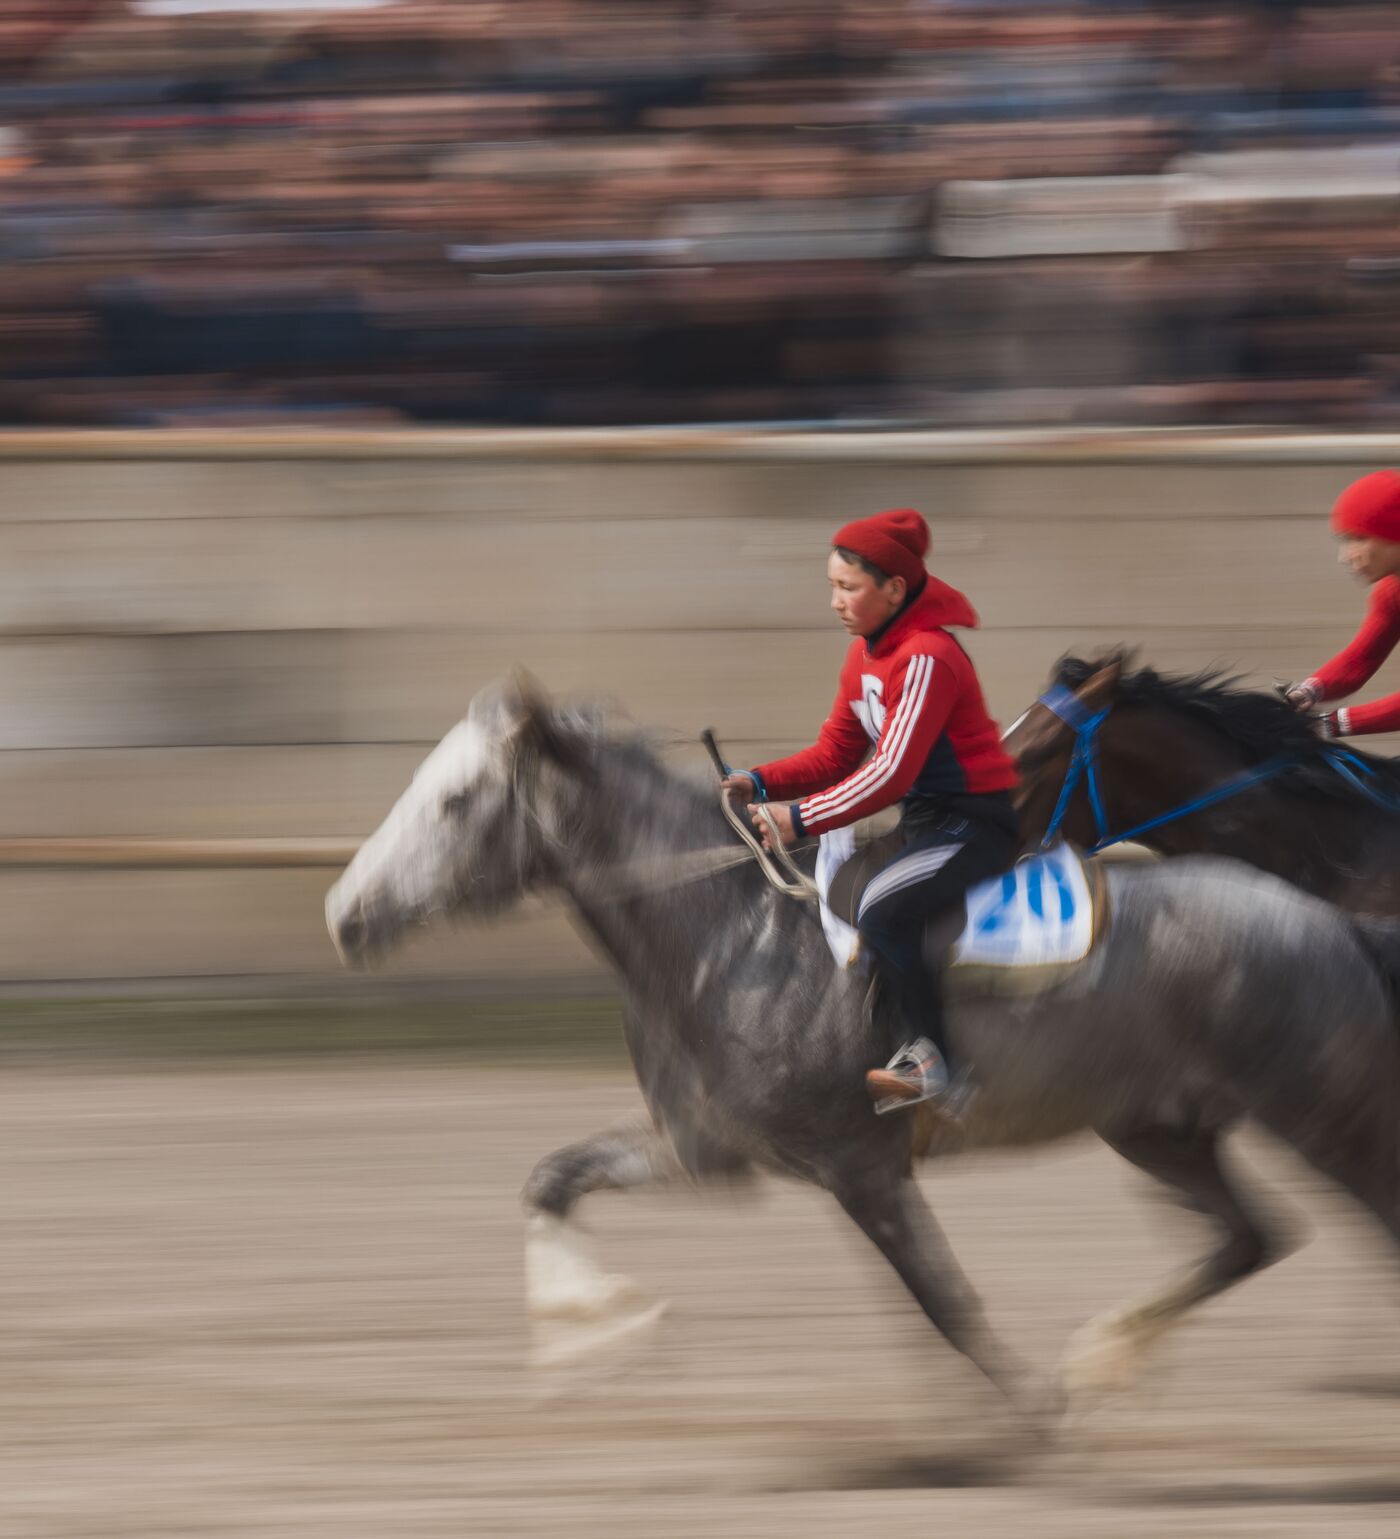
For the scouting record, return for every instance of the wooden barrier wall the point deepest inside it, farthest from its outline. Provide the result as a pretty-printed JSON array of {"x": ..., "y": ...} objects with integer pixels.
[{"x": 211, "y": 638}]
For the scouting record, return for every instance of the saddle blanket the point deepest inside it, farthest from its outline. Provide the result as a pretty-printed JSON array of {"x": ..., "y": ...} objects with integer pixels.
[{"x": 1040, "y": 914}]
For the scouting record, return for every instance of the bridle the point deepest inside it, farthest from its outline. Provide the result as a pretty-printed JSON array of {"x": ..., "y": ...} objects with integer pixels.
[{"x": 1085, "y": 723}]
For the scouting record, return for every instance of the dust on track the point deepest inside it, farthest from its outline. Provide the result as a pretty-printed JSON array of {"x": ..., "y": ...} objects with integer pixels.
[{"x": 273, "y": 1300}]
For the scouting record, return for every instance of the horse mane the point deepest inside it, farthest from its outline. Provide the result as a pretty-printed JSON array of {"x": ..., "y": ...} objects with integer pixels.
[
  {"x": 598, "y": 730},
  {"x": 592, "y": 726},
  {"x": 665, "y": 804},
  {"x": 1257, "y": 724}
]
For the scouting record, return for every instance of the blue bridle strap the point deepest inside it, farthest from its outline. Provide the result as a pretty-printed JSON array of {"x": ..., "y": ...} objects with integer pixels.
[
  {"x": 1083, "y": 765},
  {"x": 1365, "y": 777},
  {"x": 1083, "y": 759},
  {"x": 1071, "y": 710},
  {"x": 1244, "y": 781}
]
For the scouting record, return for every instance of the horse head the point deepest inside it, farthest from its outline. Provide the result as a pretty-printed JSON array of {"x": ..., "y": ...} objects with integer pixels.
[
  {"x": 471, "y": 834},
  {"x": 1188, "y": 762},
  {"x": 1042, "y": 740}
]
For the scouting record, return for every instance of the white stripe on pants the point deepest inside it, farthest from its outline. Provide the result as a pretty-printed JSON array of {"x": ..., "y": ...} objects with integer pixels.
[{"x": 907, "y": 871}]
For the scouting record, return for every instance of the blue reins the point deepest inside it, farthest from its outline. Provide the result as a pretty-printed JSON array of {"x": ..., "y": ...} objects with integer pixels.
[
  {"x": 1084, "y": 765},
  {"x": 1365, "y": 777}
]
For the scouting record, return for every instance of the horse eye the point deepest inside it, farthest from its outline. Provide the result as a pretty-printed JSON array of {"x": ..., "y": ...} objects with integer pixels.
[{"x": 455, "y": 806}]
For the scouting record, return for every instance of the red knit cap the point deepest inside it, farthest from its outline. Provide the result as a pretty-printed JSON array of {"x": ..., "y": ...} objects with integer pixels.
[
  {"x": 1370, "y": 507},
  {"x": 893, "y": 541}
]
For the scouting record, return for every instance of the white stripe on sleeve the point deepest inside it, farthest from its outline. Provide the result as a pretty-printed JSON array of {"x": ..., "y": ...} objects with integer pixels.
[{"x": 882, "y": 767}]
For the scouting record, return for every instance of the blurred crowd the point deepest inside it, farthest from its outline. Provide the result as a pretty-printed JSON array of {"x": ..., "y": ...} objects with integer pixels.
[{"x": 598, "y": 211}]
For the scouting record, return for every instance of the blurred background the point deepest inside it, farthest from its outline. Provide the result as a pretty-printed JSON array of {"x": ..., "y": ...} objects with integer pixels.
[
  {"x": 444, "y": 336},
  {"x": 355, "y": 351},
  {"x": 585, "y": 211},
  {"x": 224, "y": 653}
]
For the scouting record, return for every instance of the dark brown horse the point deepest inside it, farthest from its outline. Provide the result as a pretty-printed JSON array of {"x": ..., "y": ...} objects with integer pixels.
[{"x": 1165, "y": 742}]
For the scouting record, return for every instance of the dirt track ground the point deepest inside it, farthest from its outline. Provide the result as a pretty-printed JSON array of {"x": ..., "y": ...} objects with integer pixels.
[{"x": 287, "y": 1302}]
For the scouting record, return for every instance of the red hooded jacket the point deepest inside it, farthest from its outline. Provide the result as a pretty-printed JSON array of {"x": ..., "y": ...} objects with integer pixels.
[
  {"x": 1350, "y": 669},
  {"x": 912, "y": 693}
]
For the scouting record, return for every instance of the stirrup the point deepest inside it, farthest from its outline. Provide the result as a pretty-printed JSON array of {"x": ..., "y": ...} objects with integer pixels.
[
  {"x": 917, "y": 1056},
  {"x": 917, "y": 1072},
  {"x": 950, "y": 1106}
]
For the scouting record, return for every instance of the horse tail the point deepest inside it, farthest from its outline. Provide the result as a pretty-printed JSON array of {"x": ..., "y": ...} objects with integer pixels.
[{"x": 1380, "y": 940}]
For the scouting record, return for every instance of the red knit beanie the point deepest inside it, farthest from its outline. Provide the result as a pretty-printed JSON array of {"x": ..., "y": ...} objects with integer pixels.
[
  {"x": 893, "y": 541},
  {"x": 1370, "y": 507}
]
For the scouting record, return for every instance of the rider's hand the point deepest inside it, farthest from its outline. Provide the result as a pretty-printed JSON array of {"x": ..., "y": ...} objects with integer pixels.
[
  {"x": 781, "y": 814},
  {"x": 739, "y": 786},
  {"x": 1303, "y": 695}
]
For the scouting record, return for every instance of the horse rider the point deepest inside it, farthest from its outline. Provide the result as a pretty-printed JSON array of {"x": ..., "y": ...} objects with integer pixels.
[
  {"x": 1366, "y": 518},
  {"x": 909, "y": 726}
]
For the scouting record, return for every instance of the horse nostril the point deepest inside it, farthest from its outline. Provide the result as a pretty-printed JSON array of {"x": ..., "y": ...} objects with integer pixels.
[{"x": 351, "y": 934}]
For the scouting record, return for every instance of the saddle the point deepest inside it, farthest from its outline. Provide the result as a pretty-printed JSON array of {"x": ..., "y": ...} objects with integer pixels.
[
  {"x": 873, "y": 844},
  {"x": 1018, "y": 933}
]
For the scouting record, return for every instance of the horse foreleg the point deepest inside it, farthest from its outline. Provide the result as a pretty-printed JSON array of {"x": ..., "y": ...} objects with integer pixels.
[
  {"x": 895, "y": 1217},
  {"x": 1109, "y": 1353},
  {"x": 576, "y": 1308}
]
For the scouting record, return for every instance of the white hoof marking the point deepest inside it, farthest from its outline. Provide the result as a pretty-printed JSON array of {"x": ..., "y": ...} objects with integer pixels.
[
  {"x": 562, "y": 1343},
  {"x": 1107, "y": 1356},
  {"x": 577, "y": 1310}
]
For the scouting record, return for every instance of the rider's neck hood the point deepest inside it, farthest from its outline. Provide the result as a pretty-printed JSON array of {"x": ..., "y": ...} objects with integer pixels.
[{"x": 935, "y": 605}]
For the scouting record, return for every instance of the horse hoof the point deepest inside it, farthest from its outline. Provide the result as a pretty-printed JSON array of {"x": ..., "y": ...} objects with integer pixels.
[
  {"x": 577, "y": 1311},
  {"x": 1039, "y": 1403},
  {"x": 562, "y": 1275},
  {"x": 1103, "y": 1358},
  {"x": 565, "y": 1341}
]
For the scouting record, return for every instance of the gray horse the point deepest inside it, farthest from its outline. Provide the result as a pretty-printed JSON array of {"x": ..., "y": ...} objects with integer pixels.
[{"x": 1218, "y": 992}]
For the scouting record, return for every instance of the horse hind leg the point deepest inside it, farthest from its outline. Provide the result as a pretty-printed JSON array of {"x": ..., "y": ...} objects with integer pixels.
[
  {"x": 576, "y": 1309},
  {"x": 1357, "y": 1146},
  {"x": 1110, "y": 1353}
]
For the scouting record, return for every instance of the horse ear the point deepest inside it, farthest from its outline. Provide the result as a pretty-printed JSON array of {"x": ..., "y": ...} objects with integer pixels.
[
  {"x": 530, "y": 694},
  {"x": 1101, "y": 686},
  {"x": 539, "y": 721}
]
